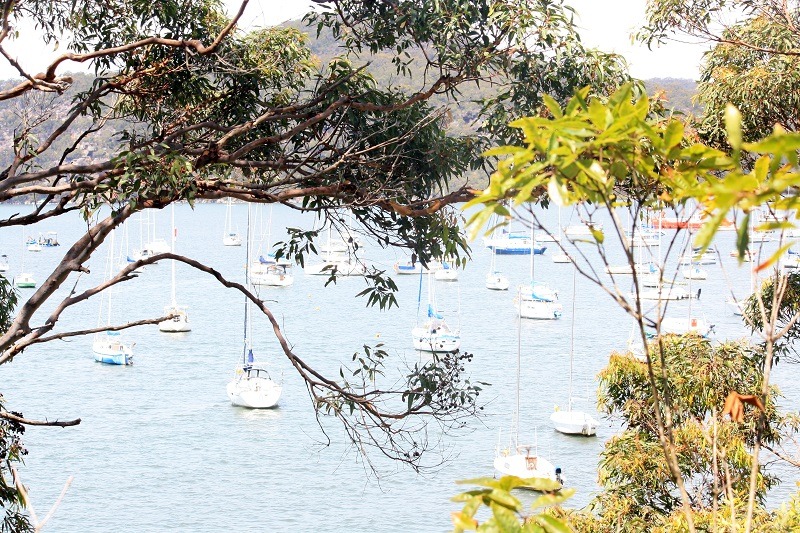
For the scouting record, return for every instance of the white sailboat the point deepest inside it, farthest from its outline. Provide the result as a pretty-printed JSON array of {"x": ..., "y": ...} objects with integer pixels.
[
  {"x": 230, "y": 236},
  {"x": 523, "y": 460},
  {"x": 4, "y": 263},
  {"x": 495, "y": 280},
  {"x": 537, "y": 300},
  {"x": 343, "y": 263},
  {"x": 268, "y": 270},
  {"x": 24, "y": 280},
  {"x": 695, "y": 272},
  {"x": 448, "y": 272},
  {"x": 179, "y": 323},
  {"x": 252, "y": 386},
  {"x": 573, "y": 422},
  {"x": 434, "y": 334},
  {"x": 109, "y": 347}
]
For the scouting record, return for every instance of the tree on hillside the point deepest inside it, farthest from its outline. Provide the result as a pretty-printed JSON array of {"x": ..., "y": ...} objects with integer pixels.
[
  {"x": 207, "y": 111},
  {"x": 753, "y": 63}
]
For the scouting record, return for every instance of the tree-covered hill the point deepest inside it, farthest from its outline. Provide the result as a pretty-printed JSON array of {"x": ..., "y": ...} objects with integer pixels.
[{"x": 42, "y": 112}]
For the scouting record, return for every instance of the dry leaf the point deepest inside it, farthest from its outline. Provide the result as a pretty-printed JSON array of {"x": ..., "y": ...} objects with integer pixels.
[{"x": 734, "y": 405}]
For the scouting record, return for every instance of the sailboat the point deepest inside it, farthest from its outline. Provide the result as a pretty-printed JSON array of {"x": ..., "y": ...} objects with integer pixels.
[
  {"x": 179, "y": 323},
  {"x": 268, "y": 270},
  {"x": 572, "y": 422},
  {"x": 523, "y": 460},
  {"x": 495, "y": 280},
  {"x": 343, "y": 262},
  {"x": 109, "y": 346},
  {"x": 230, "y": 237},
  {"x": 537, "y": 300},
  {"x": 251, "y": 386},
  {"x": 448, "y": 272},
  {"x": 434, "y": 334},
  {"x": 24, "y": 280},
  {"x": 4, "y": 263}
]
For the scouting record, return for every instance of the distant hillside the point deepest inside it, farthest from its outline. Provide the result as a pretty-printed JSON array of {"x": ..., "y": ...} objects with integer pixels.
[
  {"x": 679, "y": 93},
  {"x": 39, "y": 110}
]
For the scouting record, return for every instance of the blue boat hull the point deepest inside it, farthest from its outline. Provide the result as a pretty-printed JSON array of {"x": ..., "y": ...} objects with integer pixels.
[
  {"x": 519, "y": 251},
  {"x": 120, "y": 359}
]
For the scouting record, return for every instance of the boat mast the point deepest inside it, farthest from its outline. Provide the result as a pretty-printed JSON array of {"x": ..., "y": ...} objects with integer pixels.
[
  {"x": 110, "y": 272},
  {"x": 519, "y": 366},
  {"x": 533, "y": 248},
  {"x": 572, "y": 329},
  {"x": 172, "y": 213},
  {"x": 247, "y": 286}
]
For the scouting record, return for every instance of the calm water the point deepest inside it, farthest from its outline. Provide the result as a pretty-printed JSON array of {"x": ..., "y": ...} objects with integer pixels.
[{"x": 160, "y": 447}]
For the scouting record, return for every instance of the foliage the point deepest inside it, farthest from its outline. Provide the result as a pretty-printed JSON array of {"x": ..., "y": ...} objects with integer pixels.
[
  {"x": 677, "y": 459},
  {"x": 763, "y": 86},
  {"x": 508, "y": 515},
  {"x": 752, "y": 65},
  {"x": 713, "y": 453},
  {"x": 785, "y": 314},
  {"x": 182, "y": 105},
  {"x": 11, "y": 452}
]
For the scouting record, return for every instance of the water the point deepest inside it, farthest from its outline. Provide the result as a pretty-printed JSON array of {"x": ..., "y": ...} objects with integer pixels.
[{"x": 160, "y": 447}]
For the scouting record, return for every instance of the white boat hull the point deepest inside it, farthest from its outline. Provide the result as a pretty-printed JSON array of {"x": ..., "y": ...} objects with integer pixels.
[
  {"x": 272, "y": 279},
  {"x": 446, "y": 274},
  {"x": 524, "y": 466},
  {"x": 253, "y": 392},
  {"x": 497, "y": 282},
  {"x": 232, "y": 240},
  {"x": 539, "y": 309},
  {"x": 574, "y": 423},
  {"x": 665, "y": 294},
  {"x": 561, "y": 258},
  {"x": 435, "y": 338},
  {"x": 683, "y": 326},
  {"x": 25, "y": 281},
  {"x": 178, "y": 324},
  {"x": 343, "y": 268}
]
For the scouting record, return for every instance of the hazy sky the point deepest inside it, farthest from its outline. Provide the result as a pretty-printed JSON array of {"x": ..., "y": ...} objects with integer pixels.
[{"x": 605, "y": 24}]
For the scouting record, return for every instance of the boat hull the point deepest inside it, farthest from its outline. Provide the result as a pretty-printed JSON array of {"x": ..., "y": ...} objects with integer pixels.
[
  {"x": 112, "y": 353},
  {"x": 524, "y": 466},
  {"x": 574, "y": 423},
  {"x": 539, "y": 310},
  {"x": 497, "y": 282},
  {"x": 433, "y": 340},
  {"x": 254, "y": 393}
]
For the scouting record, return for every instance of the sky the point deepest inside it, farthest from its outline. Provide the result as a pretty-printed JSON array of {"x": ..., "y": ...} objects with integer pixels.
[{"x": 604, "y": 24}]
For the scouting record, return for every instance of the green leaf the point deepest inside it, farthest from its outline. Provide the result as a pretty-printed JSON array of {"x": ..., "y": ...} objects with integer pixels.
[
  {"x": 552, "y": 524},
  {"x": 552, "y": 105},
  {"x": 597, "y": 234},
  {"x": 743, "y": 238},
  {"x": 506, "y": 519},
  {"x": 546, "y": 500},
  {"x": 733, "y": 126},
  {"x": 673, "y": 134}
]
